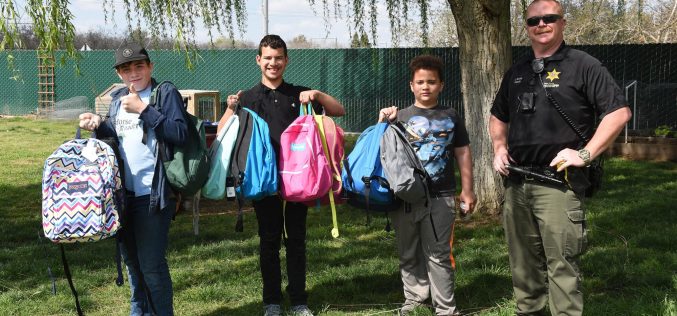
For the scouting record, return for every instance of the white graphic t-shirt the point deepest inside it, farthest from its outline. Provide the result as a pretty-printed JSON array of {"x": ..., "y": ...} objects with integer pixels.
[{"x": 139, "y": 157}]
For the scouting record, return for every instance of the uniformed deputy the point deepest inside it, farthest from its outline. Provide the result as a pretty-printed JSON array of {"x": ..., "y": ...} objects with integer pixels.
[{"x": 544, "y": 223}]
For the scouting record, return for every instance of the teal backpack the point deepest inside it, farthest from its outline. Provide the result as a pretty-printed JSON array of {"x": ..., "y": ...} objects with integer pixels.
[
  {"x": 188, "y": 171},
  {"x": 220, "y": 154}
]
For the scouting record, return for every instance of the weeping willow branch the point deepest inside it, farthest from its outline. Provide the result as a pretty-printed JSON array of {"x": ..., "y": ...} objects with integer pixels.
[
  {"x": 52, "y": 23},
  {"x": 362, "y": 12}
]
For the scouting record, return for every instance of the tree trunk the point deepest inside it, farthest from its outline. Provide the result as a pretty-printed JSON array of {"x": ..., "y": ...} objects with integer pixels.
[{"x": 485, "y": 54}]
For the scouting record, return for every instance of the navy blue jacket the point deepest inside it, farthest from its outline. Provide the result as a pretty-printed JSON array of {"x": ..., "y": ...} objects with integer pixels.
[{"x": 170, "y": 127}]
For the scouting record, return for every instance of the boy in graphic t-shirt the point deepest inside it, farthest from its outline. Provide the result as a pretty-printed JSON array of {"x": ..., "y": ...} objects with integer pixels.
[{"x": 438, "y": 135}]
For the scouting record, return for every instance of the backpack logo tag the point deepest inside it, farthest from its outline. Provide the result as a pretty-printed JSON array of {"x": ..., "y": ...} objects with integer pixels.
[
  {"x": 79, "y": 187},
  {"x": 298, "y": 146}
]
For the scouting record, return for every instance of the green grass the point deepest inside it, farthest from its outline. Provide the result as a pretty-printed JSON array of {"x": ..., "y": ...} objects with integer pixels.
[{"x": 629, "y": 268}]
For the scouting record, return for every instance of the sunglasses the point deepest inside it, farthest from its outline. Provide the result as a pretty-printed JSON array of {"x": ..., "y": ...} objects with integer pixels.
[{"x": 547, "y": 19}]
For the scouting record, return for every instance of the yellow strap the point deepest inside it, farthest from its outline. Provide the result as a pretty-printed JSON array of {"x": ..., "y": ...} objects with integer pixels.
[
  {"x": 320, "y": 125},
  {"x": 336, "y": 174},
  {"x": 335, "y": 230}
]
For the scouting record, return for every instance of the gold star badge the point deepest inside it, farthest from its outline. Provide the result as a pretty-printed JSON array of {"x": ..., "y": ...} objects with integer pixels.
[{"x": 552, "y": 75}]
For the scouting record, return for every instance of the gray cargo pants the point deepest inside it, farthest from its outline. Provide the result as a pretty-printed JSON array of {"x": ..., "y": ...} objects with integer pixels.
[
  {"x": 426, "y": 265},
  {"x": 545, "y": 230}
]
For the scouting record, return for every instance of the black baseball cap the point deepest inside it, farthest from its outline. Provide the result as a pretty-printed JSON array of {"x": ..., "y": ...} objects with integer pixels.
[{"x": 129, "y": 52}]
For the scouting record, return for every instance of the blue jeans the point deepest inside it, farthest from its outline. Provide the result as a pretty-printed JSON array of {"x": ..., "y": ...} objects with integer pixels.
[{"x": 144, "y": 250}]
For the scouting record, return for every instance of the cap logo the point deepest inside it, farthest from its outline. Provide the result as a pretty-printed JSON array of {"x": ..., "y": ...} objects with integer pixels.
[{"x": 127, "y": 52}]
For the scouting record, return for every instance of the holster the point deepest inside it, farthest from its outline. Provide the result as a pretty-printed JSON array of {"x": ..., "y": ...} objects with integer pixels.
[{"x": 577, "y": 179}]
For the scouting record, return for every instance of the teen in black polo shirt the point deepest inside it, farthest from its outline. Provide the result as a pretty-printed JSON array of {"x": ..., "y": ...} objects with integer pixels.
[{"x": 277, "y": 102}]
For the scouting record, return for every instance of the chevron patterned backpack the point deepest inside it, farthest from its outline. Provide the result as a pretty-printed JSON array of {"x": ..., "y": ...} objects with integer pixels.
[{"x": 81, "y": 191}]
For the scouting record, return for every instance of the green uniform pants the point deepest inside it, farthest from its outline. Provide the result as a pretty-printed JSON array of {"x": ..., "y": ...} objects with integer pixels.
[{"x": 545, "y": 230}]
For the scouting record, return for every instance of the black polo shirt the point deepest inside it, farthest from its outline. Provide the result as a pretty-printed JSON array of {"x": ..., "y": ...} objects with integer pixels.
[
  {"x": 579, "y": 83},
  {"x": 278, "y": 107}
]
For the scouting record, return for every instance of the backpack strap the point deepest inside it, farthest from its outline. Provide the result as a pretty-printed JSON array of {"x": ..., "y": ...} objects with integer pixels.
[
  {"x": 49, "y": 268},
  {"x": 367, "y": 190},
  {"x": 153, "y": 101},
  {"x": 334, "y": 219},
  {"x": 119, "y": 280},
  {"x": 367, "y": 180},
  {"x": 237, "y": 179},
  {"x": 67, "y": 271},
  {"x": 239, "y": 225}
]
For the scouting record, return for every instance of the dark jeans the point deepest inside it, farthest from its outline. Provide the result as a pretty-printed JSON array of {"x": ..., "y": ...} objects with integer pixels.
[
  {"x": 271, "y": 220},
  {"x": 144, "y": 250}
]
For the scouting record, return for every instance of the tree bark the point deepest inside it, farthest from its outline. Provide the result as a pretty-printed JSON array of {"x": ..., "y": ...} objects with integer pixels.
[{"x": 485, "y": 54}]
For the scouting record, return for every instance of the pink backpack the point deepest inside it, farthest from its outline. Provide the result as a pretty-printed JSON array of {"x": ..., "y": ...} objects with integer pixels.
[{"x": 305, "y": 172}]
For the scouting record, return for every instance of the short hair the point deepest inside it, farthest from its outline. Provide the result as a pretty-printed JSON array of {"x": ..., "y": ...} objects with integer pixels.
[
  {"x": 427, "y": 62},
  {"x": 274, "y": 42},
  {"x": 559, "y": 5}
]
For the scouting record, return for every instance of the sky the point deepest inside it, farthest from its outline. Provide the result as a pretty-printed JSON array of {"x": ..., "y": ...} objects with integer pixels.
[{"x": 287, "y": 18}]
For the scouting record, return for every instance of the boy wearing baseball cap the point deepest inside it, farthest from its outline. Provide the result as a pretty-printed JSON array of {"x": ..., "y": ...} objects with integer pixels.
[{"x": 150, "y": 202}]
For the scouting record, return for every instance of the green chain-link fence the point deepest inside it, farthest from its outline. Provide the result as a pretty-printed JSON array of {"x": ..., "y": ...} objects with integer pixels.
[{"x": 364, "y": 80}]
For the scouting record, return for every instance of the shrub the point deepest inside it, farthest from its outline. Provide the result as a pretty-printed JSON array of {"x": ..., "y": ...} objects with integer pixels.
[{"x": 662, "y": 131}]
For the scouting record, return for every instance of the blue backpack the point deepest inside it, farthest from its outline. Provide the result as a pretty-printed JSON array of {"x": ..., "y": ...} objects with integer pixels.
[
  {"x": 364, "y": 182},
  {"x": 253, "y": 167}
]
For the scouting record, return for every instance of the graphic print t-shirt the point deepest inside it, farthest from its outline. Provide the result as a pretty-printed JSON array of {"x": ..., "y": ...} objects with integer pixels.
[
  {"x": 434, "y": 133},
  {"x": 139, "y": 157}
]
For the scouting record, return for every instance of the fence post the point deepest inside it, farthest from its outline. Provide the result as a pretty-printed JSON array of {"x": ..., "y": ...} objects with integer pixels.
[{"x": 634, "y": 108}]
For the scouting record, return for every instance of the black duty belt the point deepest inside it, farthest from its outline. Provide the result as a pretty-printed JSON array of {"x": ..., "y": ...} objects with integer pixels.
[{"x": 536, "y": 173}]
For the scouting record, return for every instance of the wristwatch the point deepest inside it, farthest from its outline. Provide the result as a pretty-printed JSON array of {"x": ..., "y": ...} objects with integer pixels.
[{"x": 584, "y": 154}]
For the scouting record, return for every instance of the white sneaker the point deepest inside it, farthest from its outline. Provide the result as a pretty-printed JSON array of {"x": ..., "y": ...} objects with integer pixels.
[
  {"x": 272, "y": 310},
  {"x": 301, "y": 310},
  {"x": 408, "y": 307}
]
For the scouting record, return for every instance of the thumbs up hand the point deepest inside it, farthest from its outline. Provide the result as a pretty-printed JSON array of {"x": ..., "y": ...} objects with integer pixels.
[
  {"x": 233, "y": 100},
  {"x": 132, "y": 102}
]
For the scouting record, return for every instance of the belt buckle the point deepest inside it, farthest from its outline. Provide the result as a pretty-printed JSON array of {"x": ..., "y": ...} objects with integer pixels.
[{"x": 528, "y": 177}]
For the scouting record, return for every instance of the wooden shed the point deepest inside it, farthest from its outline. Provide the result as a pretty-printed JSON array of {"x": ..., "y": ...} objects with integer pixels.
[
  {"x": 102, "y": 101},
  {"x": 205, "y": 104}
]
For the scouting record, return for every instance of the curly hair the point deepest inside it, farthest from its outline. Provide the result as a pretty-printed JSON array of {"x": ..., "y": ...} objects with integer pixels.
[{"x": 428, "y": 62}]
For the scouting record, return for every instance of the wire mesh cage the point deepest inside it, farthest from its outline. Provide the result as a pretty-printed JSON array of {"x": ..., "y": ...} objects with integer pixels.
[{"x": 205, "y": 104}]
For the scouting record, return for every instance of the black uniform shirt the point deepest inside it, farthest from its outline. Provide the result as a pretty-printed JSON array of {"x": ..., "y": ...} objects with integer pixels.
[
  {"x": 278, "y": 107},
  {"x": 577, "y": 81}
]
